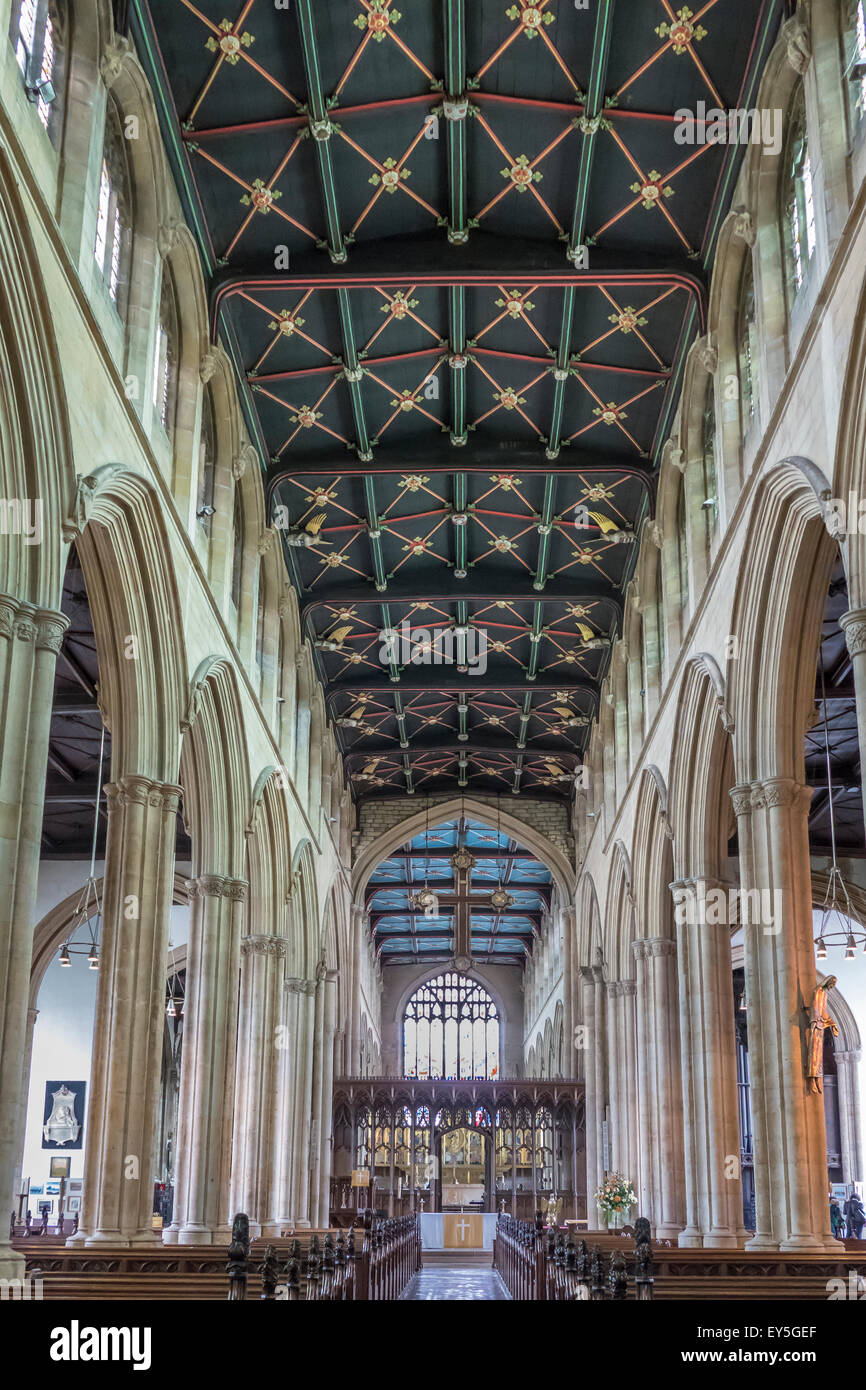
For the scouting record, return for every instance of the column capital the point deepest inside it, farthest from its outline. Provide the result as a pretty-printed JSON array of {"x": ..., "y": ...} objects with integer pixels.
[
  {"x": 264, "y": 946},
  {"x": 853, "y": 624},
  {"x": 654, "y": 946},
  {"x": 852, "y": 1056},
  {"x": 143, "y": 791},
  {"x": 42, "y": 626},
  {"x": 218, "y": 886},
  {"x": 780, "y": 792},
  {"x": 741, "y": 797},
  {"x": 300, "y": 986}
]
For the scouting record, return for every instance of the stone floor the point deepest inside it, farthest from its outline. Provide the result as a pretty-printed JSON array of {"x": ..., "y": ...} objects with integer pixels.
[{"x": 455, "y": 1282}]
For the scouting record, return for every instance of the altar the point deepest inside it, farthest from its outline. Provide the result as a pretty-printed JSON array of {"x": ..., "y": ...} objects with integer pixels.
[{"x": 457, "y": 1230}]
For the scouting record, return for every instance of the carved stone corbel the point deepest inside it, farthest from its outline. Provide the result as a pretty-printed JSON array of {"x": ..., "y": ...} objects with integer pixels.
[
  {"x": 744, "y": 227},
  {"x": 113, "y": 59},
  {"x": 798, "y": 44},
  {"x": 247, "y": 457}
]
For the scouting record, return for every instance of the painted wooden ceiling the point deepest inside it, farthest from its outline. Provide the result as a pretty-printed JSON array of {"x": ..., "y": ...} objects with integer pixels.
[{"x": 457, "y": 257}]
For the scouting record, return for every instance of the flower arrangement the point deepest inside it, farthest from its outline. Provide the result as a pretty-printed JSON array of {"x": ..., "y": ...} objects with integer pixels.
[{"x": 616, "y": 1195}]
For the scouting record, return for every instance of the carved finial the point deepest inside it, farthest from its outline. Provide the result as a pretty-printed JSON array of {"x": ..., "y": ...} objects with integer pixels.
[{"x": 239, "y": 1254}]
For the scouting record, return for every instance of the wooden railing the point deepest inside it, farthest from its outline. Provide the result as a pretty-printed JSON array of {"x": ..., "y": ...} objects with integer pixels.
[{"x": 373, "y": 1261}]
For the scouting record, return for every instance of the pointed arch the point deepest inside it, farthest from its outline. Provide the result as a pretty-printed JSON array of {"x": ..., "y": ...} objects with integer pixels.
[
  {"x": 777, "y": 612},
  {"x": 36, "y": 466},
  {"x": 132, "y": 586},
  {"x": 542, "y": 848},
  {"x": 701, "y": 773},
  {"x": 215, "y": 770},
  {"x": 652, "y": 857}
]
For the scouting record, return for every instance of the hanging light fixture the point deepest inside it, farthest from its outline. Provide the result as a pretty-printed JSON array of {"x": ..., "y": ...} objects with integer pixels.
[
  {"x": 175, "y": 1000},
  {"x": 500, "y": 898},
  {"x": 840, "y": 925},
  {"x": 83, "y": 939},
  {"x": 425, "y": 900}
]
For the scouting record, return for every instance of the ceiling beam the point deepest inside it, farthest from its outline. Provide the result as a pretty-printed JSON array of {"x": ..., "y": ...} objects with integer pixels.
[
  {"x": 444, "y": 856},
  {"x": 473, "y": 589},
  {"x": 483, "y": 262},
  {"x": 463, "y": 686},
  {"x": 390, "y": 750}
]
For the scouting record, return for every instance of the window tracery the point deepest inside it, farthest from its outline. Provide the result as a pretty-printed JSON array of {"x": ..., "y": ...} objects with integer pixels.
[{"x": 451, "y": 1031}]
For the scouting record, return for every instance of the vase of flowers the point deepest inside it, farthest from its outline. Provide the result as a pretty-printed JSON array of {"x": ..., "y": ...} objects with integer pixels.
[{"x": 614, "y": 1199}]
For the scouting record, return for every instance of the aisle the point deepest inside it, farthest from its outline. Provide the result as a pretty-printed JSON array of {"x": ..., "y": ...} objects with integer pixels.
[{"x": 453, "y": 1282}]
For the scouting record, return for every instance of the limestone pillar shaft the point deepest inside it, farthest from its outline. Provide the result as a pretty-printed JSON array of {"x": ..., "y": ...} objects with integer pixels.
[
  {"x": 312, "y": 1155},
  {"x": 130, "y": 1013},
  {"x": 586, "y": 1060},
  {"x": 853, "y": 624},
  {"x": 281, "y": 1214},
  {"x": 623, "y": 1078},
  {"x": 848, "y": 1090},
  {"x": 568, "y": 990},
  {"x": 30, "y": 639},
  {"x": 660, "y": 1085},
  {"x": 327, "y": 1097},
  {"x": 262, "y": 964},
  {"x": 303, "y": 1099},
  {"x": 790, "y": 1160},
  {"x": 714, "y": 1216},
  {"x": 614, "y": 1068},
  {"x": 202, "y": 1212}
]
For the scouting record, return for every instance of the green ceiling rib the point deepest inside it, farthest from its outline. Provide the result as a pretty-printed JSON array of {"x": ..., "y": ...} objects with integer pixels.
[
  {"x": 590, "y": 123},
  {"x": 320, "y": 128},
  {"x": 545, "y": 530},
  {"x": 560, "y": 372},
  {"x": 455, "y": 91}
]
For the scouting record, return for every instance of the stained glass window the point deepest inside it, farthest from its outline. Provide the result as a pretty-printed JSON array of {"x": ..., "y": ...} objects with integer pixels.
[
  {"x": 799, "y": 199},
  {"x": 451, "y": 1031}
]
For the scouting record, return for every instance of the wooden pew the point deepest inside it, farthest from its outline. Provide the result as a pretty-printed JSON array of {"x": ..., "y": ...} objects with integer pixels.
[{"x": 538, "y": 1264}]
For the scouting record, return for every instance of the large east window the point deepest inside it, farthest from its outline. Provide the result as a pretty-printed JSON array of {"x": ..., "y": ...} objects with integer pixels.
[{"x": 451, "y": 1031}]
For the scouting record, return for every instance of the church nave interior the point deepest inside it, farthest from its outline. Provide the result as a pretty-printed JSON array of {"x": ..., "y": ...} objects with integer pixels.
[{"x": 432, "y": 650}]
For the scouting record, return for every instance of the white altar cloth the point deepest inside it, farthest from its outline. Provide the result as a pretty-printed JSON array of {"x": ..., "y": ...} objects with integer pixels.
[{"x": 432, "y": 1233}]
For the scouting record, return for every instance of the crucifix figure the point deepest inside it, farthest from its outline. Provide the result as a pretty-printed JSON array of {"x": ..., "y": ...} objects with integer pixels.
[{"x": 462, "y": 863}]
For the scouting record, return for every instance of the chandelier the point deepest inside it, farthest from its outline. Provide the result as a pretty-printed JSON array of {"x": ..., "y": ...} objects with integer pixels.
[
  {"x": 83, "y": 939},
  {"x": 500, "y": 898},
  {"x": 840, "y": 925},
  {"x": 425, "y": 900}
]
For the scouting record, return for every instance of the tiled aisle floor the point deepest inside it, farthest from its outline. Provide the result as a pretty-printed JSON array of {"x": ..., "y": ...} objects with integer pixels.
[{"x": 456, "y": 1283}]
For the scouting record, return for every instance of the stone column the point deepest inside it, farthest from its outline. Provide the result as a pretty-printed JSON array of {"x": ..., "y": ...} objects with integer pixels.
[
  {"x": 660, "y": 1086},
  {"x": 788, "y": 1122},
  {"x": 32, "y": 1015},
  {"x": 262, "y": 965},
  {"x": 312, "y": 1156},
  {"x": 359, "y": 928},
  {"x": 848, "y": 1090},
  {"x": 853, "y": 624},
  {"x": 303, "y": 1099},
  {"x": 30, "y": 639},
  {"x": 281, "y": 1213},
  {"x": 326, "y": 1115},
  {"x": 714, "y": 1204},
  {"x": 622, "y": 1059},
  {"x": 130, "y": 1014},
  {"x": 569, "y": 983},
  {"x": 586, "y": 1041},
  {"x": 614, "y": 1064},
  {"x": 207, "y": 1082}
]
